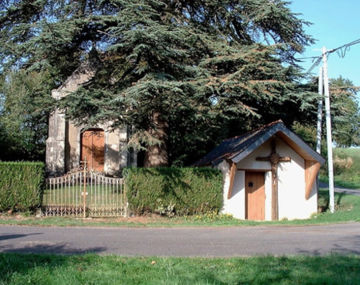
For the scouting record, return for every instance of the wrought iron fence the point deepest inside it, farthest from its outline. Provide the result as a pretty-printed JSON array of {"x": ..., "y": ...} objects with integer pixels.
[{"x": 84, "y": 193}]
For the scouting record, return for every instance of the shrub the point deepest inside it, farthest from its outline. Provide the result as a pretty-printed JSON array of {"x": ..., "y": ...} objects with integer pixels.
[
  {"x": 169, "y": 191},
  {"x": 342, "y": 164},
  {"x": 21, "y": 185}
]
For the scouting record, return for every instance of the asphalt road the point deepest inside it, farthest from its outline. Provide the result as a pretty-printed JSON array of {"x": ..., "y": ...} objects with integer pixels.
[
  {"x": 342, "y": 189},
  {"x": 205, "y": 242}
]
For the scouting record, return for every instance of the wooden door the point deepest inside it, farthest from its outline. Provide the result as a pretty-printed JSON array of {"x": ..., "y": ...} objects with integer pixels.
[
  {"x": 255, "y": 195},
  {"x": 93, "y": 149}
]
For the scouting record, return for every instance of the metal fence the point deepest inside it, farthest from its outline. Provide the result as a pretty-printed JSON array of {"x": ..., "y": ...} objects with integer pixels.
[{"x": 84, "y": 193}]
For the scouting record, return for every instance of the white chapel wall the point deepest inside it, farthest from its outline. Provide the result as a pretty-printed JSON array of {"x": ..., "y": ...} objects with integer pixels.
[
  {"x": 291, "y": 187},
  {"x": 268, "y": 189},
  {"x": 291, "y": 184},
  {"x": 234, "y": 206}
]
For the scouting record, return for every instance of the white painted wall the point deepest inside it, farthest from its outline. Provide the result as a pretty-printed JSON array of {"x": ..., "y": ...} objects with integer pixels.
[
  {"x": 268, "y": 189},
  {"x": 291, "y": 184},
  {"x": 291, "y": 187},
  {"x": 236, "y": 204}
]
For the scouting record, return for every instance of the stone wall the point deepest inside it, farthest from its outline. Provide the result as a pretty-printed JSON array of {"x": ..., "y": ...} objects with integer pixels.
[{"x": 63, "y": 145}]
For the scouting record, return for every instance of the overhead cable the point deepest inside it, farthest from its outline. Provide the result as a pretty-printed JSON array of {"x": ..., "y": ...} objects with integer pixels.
[{"x": 341, "y": 51}]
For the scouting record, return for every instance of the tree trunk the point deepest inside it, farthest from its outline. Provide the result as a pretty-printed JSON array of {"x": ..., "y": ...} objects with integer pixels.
[{"x": 156, "y": 155}]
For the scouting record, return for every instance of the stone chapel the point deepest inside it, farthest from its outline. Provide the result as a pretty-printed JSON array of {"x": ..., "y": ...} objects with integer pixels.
[{"x": 69, "y": 144}]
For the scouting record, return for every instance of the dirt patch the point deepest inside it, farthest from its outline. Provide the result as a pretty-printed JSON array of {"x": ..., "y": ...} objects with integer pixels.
[
  {"x": 136, "y": 220},
  {"x": 14, "y": 217}
]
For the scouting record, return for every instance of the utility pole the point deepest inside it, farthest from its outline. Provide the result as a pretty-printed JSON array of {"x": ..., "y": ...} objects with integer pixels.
[
  {"x": 319, "y": 118},
  {"x": 319, "y": 112},
  {"x": 328, "y": 132}
]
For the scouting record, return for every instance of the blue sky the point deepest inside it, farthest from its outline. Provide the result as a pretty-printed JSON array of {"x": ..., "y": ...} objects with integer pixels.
[{"x": 335, "y": 22}]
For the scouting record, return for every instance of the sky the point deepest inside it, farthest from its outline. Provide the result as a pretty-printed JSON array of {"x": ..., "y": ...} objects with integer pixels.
[{"x": 334, "y": 23}]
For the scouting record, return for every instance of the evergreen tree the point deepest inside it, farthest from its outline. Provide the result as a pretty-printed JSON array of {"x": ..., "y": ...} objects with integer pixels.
[
  {"x": 345, "y": 112},
  {"x": 179, "y": 72},
  {"x": 23, "y": 116}
]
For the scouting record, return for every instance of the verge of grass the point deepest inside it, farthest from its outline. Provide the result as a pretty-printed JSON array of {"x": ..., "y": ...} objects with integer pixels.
[
  {"x": 345, "y": 181},
  {"x": 347, "y": 210},
  {"x": 346, "y": 177},
  {"x": 94, "y": 269}
]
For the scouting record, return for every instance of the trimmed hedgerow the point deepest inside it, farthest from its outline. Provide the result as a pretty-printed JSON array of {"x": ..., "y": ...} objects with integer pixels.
[
  {"x": 170, "y": 191},
  {"x": 21, "y": 185}
]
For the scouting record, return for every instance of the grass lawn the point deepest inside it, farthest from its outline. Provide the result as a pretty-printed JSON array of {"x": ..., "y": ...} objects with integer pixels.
[
  {"x": 347, "y": 209},
  {"x": 93, "y": 269},
  {"x": 346, "y": 177}
]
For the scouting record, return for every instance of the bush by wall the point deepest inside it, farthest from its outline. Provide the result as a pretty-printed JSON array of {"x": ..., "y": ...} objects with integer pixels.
[
  {"x": 21, "y": 185},
  {"x": 170, "y": 191}
]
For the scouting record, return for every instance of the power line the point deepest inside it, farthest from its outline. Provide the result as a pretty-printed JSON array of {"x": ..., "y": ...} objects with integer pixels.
[
  {"x": 315, "y": 64},
  {"x": 341, "y": 50},
  {"x": 344, "y": 49},
  {"x": 309, "y": 57}
]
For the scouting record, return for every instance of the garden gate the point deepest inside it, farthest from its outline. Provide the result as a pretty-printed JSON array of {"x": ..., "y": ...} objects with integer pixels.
[{"x": 84, "y": 193}]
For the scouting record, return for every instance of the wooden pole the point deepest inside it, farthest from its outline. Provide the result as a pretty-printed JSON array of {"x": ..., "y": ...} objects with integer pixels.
[
  {"x": 328, "y": 132},
  {"x": 274, "y": 195},
  {"x": 274, "y": 160},
  {"x": 232, "y": 178}
]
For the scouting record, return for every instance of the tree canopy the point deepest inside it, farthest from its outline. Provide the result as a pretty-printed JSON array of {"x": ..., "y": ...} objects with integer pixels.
[
  {"x": 345, "y": 112},
  {"x": 182, "y": 74},
  {"x": 23, "y": 115},
  {"x": 345, "y": 115}
]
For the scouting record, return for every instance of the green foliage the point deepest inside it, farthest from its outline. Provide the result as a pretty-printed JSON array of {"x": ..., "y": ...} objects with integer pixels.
[
  {"x": 346, "y": 168},
  {"x": 24, "y": 114},
  {"x": 192, "y": 63},
  {"x": 306, "y": 132},
  {"x": 169, "y": 191},
  {"x": 212, "y": 217},
  {"x": 345, "y": 112},
  {"x": 345, "y": 115},
  {"x": 21, "y": 185}
]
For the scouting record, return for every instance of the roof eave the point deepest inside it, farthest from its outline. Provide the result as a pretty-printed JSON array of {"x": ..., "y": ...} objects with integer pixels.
[{"x": 271, "y": 132}]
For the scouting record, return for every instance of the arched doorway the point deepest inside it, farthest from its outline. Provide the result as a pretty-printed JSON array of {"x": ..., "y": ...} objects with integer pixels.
[{"x": 93, "y": 148}]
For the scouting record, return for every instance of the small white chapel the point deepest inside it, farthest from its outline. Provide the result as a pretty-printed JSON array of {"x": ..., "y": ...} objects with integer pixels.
[{"x": 269, "y": 174}]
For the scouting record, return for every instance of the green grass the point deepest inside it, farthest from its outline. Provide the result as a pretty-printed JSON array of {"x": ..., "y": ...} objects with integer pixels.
[
  {"x": 347, "y": 209},
  {"x": 93, "y": 269},
  {"x": 343, "y": 176}
]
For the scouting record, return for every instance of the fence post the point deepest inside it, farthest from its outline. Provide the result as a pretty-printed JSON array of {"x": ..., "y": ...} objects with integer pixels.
[
  {"x": 125, "y": 200},
  {"x": 84, "y": 191}
]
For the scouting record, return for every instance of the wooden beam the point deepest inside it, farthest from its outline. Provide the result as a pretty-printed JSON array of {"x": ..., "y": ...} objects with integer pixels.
[
  {"x": 311, "y": 170},
  {"x": 274, "y": 196},
  {"x": 254, "y": 170},
  {"x": 232, "y": 178}
]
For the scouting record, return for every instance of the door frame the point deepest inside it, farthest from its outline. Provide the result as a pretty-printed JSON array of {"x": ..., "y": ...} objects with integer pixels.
[{"x": 81, "y": 143}]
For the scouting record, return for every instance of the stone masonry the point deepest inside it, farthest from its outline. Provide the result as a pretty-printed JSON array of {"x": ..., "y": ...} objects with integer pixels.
[{"x": 63, "y": 145}]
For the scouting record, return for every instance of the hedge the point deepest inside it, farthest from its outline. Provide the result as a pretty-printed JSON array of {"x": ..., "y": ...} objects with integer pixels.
[
  {"x": 170, "y": 191},
  {"x": 21, "y": 185}
]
